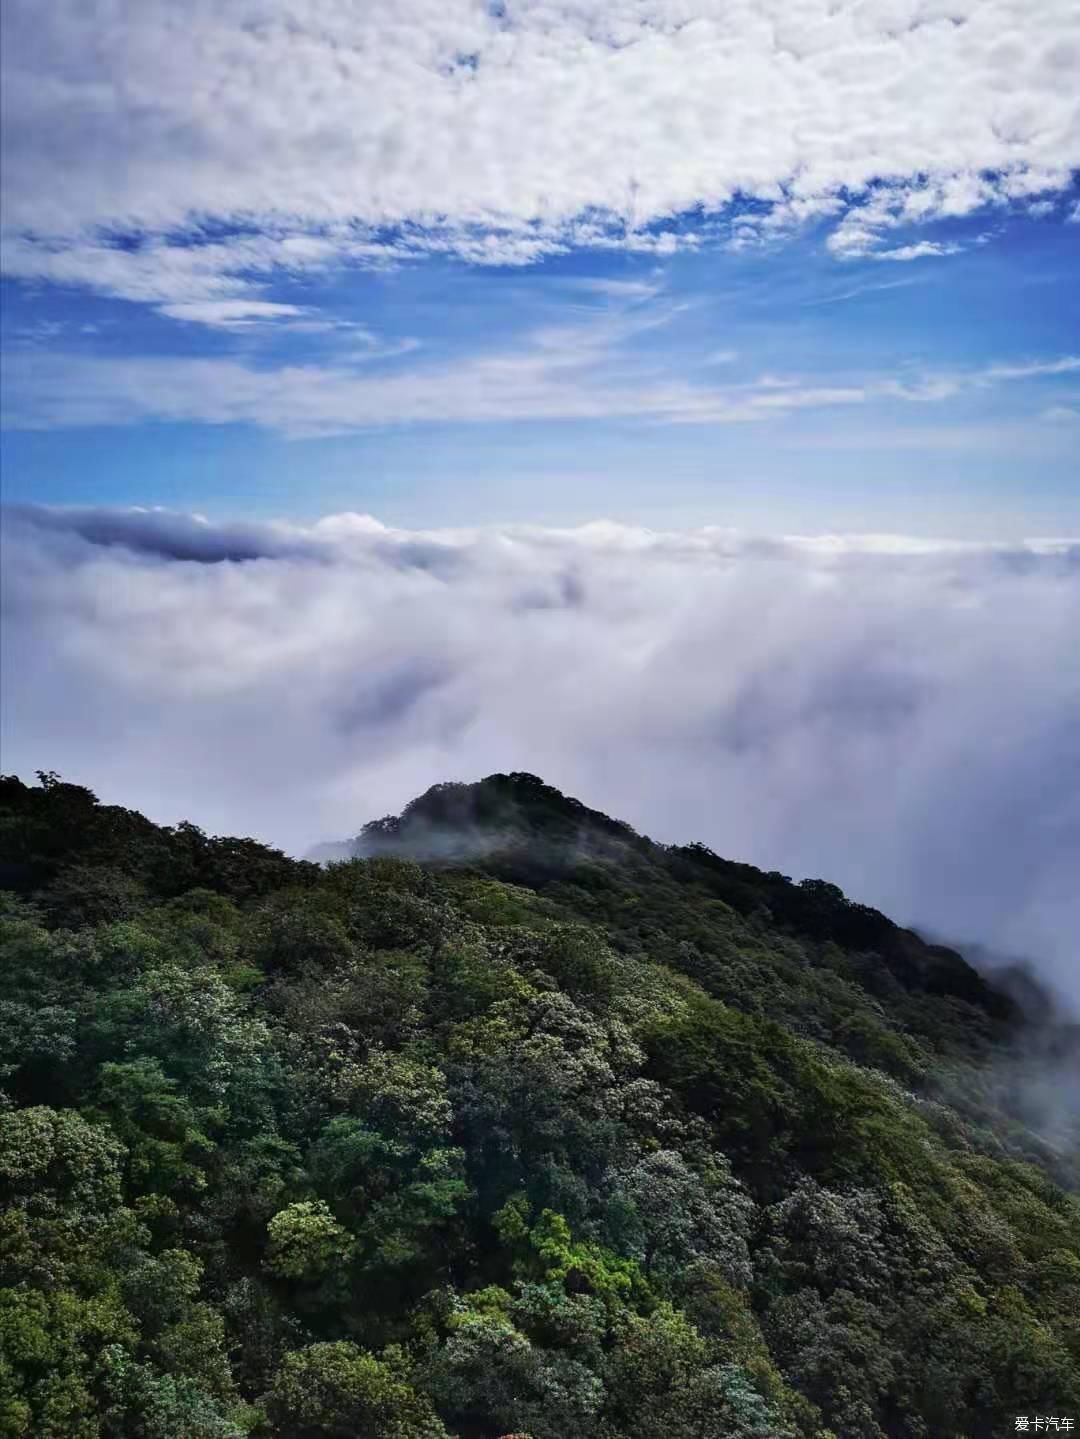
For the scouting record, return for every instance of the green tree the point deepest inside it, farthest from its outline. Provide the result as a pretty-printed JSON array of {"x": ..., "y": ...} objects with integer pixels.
[
  {"x": 338, "y": 1391},
  {"x": 306, "y": 1241}
]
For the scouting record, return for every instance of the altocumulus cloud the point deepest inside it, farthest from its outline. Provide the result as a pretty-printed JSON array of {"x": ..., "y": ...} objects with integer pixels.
[
  {"x": 290, "y": 136},
  {"x": 900, "y": 716}
]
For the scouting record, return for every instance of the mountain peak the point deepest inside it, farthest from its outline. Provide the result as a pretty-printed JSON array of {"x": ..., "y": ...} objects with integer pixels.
[
  {"x": 501, "y": 812},
  {"x": 519, "y": 829}
]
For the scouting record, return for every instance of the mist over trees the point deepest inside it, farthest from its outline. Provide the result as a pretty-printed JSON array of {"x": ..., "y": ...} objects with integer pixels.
[
  {"x": 817, "y": 705},
  {"x": 509, "y": 1122}
]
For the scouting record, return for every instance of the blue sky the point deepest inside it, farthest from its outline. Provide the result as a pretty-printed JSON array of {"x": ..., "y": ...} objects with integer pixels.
[{"x": 798, "y": 308}]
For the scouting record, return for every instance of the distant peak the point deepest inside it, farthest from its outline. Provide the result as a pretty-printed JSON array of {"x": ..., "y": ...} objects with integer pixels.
[{"x": 501, "y": 812}]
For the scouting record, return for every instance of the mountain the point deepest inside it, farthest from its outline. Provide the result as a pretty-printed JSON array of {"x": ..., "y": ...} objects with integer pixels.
[
  {"x": 521, "y": 830},
  {"x": 511, "y": 1121}
]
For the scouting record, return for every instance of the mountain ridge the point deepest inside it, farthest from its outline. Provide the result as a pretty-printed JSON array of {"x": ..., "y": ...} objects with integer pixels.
[{"x": 520, "y": 827}]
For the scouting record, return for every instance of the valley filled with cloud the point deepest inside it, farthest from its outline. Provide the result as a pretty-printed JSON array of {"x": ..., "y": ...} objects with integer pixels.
[{"x": 899, "y": 716}]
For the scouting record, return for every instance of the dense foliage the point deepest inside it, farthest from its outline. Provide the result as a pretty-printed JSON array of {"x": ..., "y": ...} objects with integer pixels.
[{"x": 515, "y": 1124}]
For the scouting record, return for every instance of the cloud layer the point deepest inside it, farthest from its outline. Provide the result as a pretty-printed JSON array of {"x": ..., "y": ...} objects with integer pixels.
[
  {"x": 317, "y": 131},
  {"x": 901, "y": 717}
]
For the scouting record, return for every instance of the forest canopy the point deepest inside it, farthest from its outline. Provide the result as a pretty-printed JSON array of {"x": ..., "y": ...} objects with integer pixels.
[{"x": 507, "y": 1121}]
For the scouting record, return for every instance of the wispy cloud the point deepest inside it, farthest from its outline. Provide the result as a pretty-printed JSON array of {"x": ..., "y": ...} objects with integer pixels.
[
  {"x": 231, "y": 314},
  {"x": 212, "y": 282},
  {"x": 624, "y": 291},
  {"x": 1030, "y": 369},
  {"x": 853, "y": 292},
  {"x": 581, "y": 369}
]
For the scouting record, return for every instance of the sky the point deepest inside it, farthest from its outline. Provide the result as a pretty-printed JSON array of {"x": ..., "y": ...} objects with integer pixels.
[
  {"x": 771, "y": 263},
  {"x": 679, "y": 399}
]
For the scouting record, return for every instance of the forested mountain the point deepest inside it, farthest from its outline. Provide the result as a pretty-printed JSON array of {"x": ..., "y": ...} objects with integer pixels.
[{"x": 514, "y": 1123}]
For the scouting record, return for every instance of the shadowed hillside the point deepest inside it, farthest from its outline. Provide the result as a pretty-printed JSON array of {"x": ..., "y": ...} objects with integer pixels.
[{"x": 512, "y": 1122}]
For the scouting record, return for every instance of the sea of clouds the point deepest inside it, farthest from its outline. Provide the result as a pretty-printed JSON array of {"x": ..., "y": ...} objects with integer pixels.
[{"x": 899, "y": 716}]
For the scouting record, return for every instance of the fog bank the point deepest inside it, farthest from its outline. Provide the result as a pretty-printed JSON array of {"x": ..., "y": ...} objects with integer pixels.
[{"x": 898, "y": 716}]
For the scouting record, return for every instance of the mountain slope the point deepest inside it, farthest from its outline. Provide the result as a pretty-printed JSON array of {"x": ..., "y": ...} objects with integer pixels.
[{"x": 515, "y": 1122}]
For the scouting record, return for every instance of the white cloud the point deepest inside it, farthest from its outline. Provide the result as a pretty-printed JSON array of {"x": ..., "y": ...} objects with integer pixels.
[
  {"x": 899, "y": 716},
  {"x": 230, "y": 314},
  {"x": 506, "y": 136},
  {"x": 214, "y": 282},
  {"x": 908, "y": 203},
  {"x": 1031, "y": 369},
  {"x": 921, "y": 250}
]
